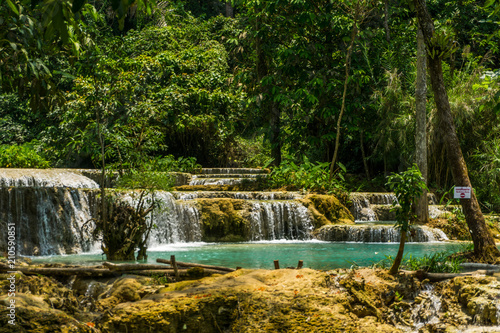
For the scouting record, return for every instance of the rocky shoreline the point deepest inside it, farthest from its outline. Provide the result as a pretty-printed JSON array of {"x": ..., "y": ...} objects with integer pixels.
[{"x": 284, "y": 300}]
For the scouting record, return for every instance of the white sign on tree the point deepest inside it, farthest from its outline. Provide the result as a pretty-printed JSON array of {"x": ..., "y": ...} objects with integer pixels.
[{"x": 462, "y": 192}]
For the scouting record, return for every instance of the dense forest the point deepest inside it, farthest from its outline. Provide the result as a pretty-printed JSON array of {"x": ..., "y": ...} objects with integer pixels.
[{"x": 282, "y": 83}]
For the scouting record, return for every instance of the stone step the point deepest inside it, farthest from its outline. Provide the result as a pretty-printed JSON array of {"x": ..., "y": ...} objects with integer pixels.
[
  {"x": 243, "y": 195},
  {"x": 240, "y": 171},
  {"x": 374, "y": 198},
  {"x": 220, "y": 181},
  {"x": 230, "y": 175}
]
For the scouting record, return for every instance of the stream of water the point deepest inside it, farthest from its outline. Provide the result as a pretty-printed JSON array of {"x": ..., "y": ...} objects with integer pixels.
[{"x": 315, "y": 254}]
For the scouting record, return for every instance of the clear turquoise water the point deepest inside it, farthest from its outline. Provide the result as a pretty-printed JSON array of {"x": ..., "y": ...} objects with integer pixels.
[{"x": 315, "y": 254}]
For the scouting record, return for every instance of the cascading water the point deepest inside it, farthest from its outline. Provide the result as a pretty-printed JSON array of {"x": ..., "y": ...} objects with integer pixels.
[
  {"x": 280, "y": 220},
  {"x": 427, "y": 310},
  {"x": 371, "y": 207},
  {"x": 218, "y": 181},
  {"x": 48, "y": 209},
  {"x": 176, "y": 221},
  {"x": 363, "y": 205},
  {"x": 45, "y": 178},
  {"x": 377, "y": 234},
  {"x": 236, "y": 195}
]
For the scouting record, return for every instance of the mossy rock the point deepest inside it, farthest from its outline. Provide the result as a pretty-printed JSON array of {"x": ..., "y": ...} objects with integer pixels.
[
  {"x": 327, "y": 209},
  {"x": 33, "y": 314},
  {"x": 222, "y": 219}
]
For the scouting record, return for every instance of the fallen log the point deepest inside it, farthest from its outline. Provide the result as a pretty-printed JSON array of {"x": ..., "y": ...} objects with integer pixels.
[
  {"x": 66, "y": 271},
  {"x": 187, "y": 264},
  {"x": 103, "y": 272},
  {"x": 133, "y": 267},
  {"x": 436, "y": 277},
  {"x": 171, "y": 272}
]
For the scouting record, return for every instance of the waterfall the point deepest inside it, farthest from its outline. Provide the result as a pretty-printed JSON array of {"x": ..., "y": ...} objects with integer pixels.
[
  {"x": 377, "y": 234},
  {"x": 370, "y": 207},
  {"x": 272, "y": 220},
  {"x": 175, "y": 221},
  {"x": 48, "y": 220},
  {"x": 48, "y": 208}
]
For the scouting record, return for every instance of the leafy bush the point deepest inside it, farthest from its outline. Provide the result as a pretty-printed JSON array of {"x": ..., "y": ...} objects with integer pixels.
[
  {"x": 251, "y": 153},
  {"x": 440, "y": 262},
  {"x": 153, "y": 174},
  {"x": 487, "y": 174},
  {"x": 170, "y": 163},
  {"x": 307, "y": 176},
  {"x": 407, "y": 186},
  {"x": 22, "y": 156},
  {"x": 16, "y": 123},
  {"x": 146, "y": 180}
]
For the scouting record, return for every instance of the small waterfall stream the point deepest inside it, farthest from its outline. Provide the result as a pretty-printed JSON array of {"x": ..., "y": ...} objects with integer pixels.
[{"x": 427, "y": 309}]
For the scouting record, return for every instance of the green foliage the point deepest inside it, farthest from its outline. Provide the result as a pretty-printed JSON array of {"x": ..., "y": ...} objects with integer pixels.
[
  {"x": 407, "y": 186},
  {"x": 122, "y": 225},
  {"x": 487, "y": 174},
  {"x": 150, "y": 180},
  {"x": 251, "y": 153},
  {"x": 22, "y": 156},
  {"x": 440, "y": 262},
  {"x": 307, "y": 176},
  {"x": 154, "y": 89},
  {"x": 154, "y": 173},
  {"x": 16, "y": 122},
  {"x": 160, "y": 279},
  {"x": 170, "y": 163}
]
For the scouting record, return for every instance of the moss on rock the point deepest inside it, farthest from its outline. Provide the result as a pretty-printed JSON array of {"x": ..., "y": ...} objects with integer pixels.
[
  {"x": 327, "y": 209},
  {"x": 222, "y": 220}
]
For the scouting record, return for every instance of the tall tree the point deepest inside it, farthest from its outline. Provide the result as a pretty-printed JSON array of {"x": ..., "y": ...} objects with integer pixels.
[
  {"x": 439, "y": 46},
  {"x": 421, "y": 205},
  {"x": 359, "y": 11}
]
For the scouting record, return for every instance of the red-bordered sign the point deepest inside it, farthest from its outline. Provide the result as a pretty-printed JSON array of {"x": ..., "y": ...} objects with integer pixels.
[{"x": 462, "y": 192}]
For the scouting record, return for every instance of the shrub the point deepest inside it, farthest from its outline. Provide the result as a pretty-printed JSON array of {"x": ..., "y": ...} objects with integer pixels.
[
  {"x": 307, "y": 176},
  {"x": 22, "y": 156}
]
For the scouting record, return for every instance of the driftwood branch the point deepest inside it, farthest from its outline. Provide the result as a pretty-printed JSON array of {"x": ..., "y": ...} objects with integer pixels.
[{"x": 187, "y": 264}]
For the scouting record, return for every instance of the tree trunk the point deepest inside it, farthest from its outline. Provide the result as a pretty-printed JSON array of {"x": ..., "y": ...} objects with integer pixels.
[
  {"x": 229, "y": 9},
  {"x": 386, "y": 21},
  {"x": 354, "y": 33},
  {"x": 399, "y": 257},
  {"x": 421, "y": 204},
  {"x": 275, "y": 123},
  {"x": 269, "y": 107},
  {"x": 363, "y": 155},
  {"x": 484, "y": 244}
]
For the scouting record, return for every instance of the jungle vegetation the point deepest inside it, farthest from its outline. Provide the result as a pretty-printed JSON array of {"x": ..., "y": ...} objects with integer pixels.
[{"x": 322, "y": 89}]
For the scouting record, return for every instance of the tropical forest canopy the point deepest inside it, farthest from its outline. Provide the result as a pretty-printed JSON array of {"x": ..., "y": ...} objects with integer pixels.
[{"x": 245, "y": 84}]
